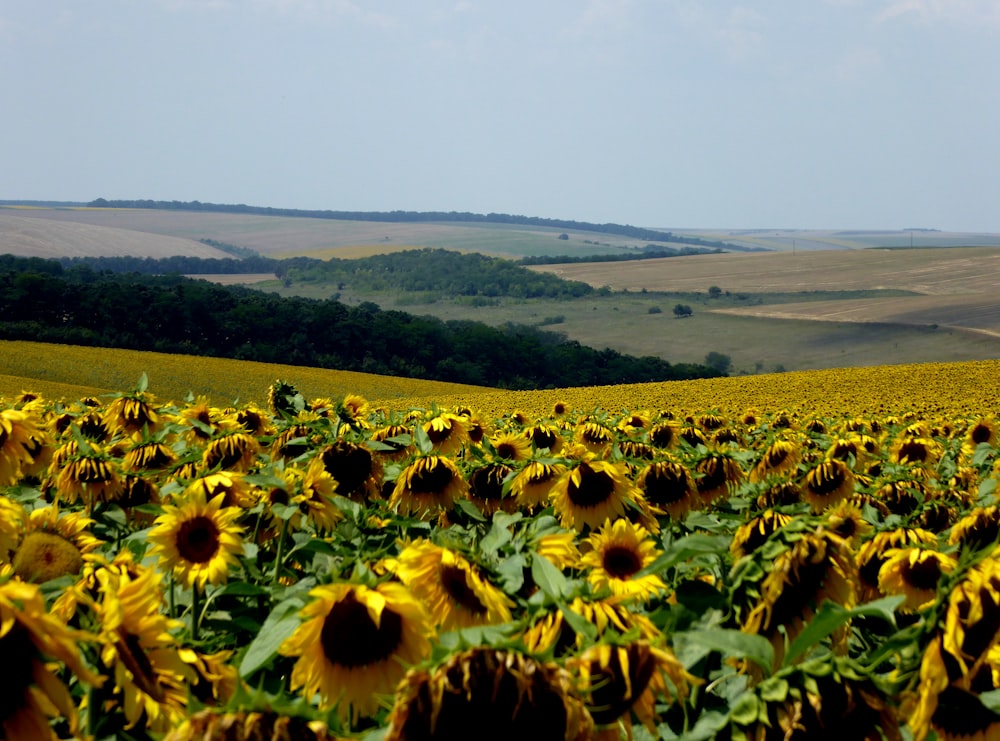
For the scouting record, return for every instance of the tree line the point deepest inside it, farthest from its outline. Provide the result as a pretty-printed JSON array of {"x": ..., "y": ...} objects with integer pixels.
[{"x": 44, "y": 301}]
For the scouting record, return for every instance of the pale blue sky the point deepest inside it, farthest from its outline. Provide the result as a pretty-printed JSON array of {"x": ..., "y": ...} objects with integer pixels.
[{"x": 665, "y": 113}]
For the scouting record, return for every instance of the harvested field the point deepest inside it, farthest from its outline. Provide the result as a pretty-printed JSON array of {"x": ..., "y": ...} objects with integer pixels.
[
  {"x": 21, "y": 234},
  {"x": 952, "y": 270}
]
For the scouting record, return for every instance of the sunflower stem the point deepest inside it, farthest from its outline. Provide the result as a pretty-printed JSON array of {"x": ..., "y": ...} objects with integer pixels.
[
  {"x": 173, "y": 599},
  {"x": 195, "y": 611},
  {"x": 280, "y": 555}
]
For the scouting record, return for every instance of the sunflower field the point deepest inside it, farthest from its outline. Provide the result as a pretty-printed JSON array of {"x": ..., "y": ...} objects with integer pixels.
[{"x": 338, "y": 568}]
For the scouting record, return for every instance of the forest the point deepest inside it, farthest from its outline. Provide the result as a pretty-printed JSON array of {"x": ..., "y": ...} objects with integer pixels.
[{"x": 44, "y": 301}]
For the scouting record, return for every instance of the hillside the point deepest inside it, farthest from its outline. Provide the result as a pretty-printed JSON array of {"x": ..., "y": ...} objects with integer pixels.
[{"x": 23, "y": 233}]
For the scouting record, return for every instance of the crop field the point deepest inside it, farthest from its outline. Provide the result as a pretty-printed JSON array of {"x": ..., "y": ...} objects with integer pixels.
[
  {"x": 68, "y": 371},
  {"x": 741, "y": 558},
  {"x": 279, "y": 236},
  {"x": 20, "y": 234}
]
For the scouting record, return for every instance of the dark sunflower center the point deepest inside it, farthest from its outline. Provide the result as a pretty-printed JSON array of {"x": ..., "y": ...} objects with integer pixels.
[
  {"x": 430, "y": 478},
  {"x": 611, "y": 695},
  {"x": 980, "y": 635},
  {"x": 666, "y": 485},
  {"x": 980, "y": 434},
  {"x": 506, "y": 450},
  {"x": 453, "y": 582},
  {"x": 349, "y": 464},
  {"x": 826, "y": 479},
  {"x": 661, "y": 435},
  {"x": 487, "y": 482},
  {"x": 134, "y": 657},
  {"x": 350, "y": 637},
  {"x": 198, "y": 539},
  {"x": 961, "y": 714},
  {"x": 713, "y": 472},
  {"x": 621, "y": 562},
  {"x": 775, "y": 457},
  {"x": 924, "y": 574},
  {"x": 18, "y": 653},
  {"x": 543, "y": 438},
  {"x": 595, "y": 487},
  {"x": 913, "y": 450},
  {"x": 225, "y": 452},
  {"x": 439, "y": 434}
]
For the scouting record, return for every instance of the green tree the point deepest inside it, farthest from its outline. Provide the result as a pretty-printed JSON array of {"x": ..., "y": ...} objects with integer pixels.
[
  {"x": 682, "y": 310},
  {"x": 722, "y": 363}
]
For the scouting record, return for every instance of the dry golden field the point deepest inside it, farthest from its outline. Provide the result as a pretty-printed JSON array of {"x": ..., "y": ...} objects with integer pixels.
[{"x": 21, "y": 234}]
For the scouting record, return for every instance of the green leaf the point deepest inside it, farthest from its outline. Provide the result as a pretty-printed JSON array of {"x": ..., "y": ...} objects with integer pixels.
[
  {"x": 500, "y": 534},
  {"x": 548, "y": 578},
  {"x": 280, "y": 624},
  {"x": 746, "y": 710},
  {"x": 685, "y": 548},
  {"x": 511, "y": 572},
  {"x": 470, "y": 509},
  {"x": 143, "y": 383},
  {"x": 733, "y": 643},
  {"x": 422, "y": 440},
  {"x": 579, "y": 624},
  {"x": 832, "y": 617}
]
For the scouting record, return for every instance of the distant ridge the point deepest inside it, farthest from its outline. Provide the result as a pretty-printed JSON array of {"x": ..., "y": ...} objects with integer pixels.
[{"x": 635, "y": 232}]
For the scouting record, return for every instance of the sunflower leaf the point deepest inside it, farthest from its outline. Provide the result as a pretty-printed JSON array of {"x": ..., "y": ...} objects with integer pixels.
[
  {"x": 732, "y": 643},
  {"x": 422, "y": 440},
  {"x": 549, "y": 579},
  {"x": 579, "y": 624},
  {"x": 278, "y": 626},
  {"x": 830, "y": 617}
]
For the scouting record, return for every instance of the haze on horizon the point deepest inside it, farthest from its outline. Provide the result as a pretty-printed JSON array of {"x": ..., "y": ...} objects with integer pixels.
[{"x": 860, "y": 114}]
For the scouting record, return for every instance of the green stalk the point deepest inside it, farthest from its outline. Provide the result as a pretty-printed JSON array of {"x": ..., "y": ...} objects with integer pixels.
[
  {"x": 195, "y": 611},
  {"x": 280, "y": 555}
]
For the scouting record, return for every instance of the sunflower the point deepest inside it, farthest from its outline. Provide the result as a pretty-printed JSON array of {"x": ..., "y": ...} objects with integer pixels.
[
  {"x": 591, "y": 492},
  {"x": 131, "y": 415},
  {"x": 139, "y": 648},
  {"x": 915, "y": 573},
  {"x": 231, "y": 451},
  {"x": 230, "y": 485},
  {"x": 984, "y": 431},
  {"x": 448, "y": 433},
  {"x": 559, "y": 548},
  {"x": 54, "y": 545},
  {"x": 151, "y": 455},
  {"x": 393, "y": 441},
  {"x": 815, "y": 568},
  {"x": 846, "y": 520},
  {"x": 487, "y": 489},
  {"x": 544, "y": 437},
  {"x": 781, "y": 457},
  {"x": 16, "y": 432},
  {"x": 511, "y": 446},
  {"x": 355, "y": 645},
  {"x": 619, "y": 551},
  {"x": 533, "y": 483},
  {"x": 29, "y": 638},
  {"x": 503, "y": 693},
  {"x": 247, "y": 725},
  {"x": 754, "y": 533},
  {"x": 828, "y": 483},
  {"x": 669, "y": 487},
  {"x": 12, "y": 519},
  {"x": 428, "y": 486},
  {"x": 354, "y": 468},
  {"x": 619, "y": 681},
  {"x": 198, "y": 540},
  {"x": 594, "y": 436},
  {"x": 871, "y": 555},
  {"x": 664, "y": 435},
  {"x": 779, "y": 494},
  {"x": 920, "y": 452},
  {"x": 980, "y": 528},
  {"x": 90, "y": 475},
  {"x": 961, "y": 716},
  {"x": 972, "y": 620},
  {"x": 552, "y": 632},
  {"x": 453, "y": 590},
  {"x": 715, "y": 474}
]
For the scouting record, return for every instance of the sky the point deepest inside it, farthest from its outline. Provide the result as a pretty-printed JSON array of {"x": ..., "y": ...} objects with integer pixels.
[{"x": 799, "y": 114}]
